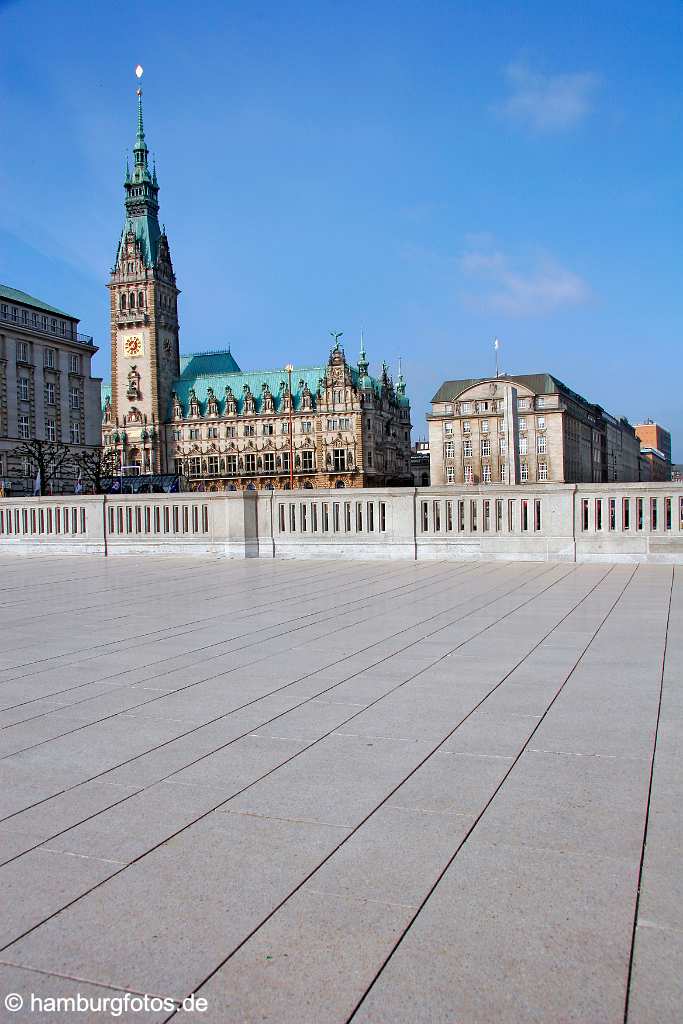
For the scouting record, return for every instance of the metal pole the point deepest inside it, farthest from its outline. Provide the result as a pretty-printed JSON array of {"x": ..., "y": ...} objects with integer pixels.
[{"x": 289, "y": 369}]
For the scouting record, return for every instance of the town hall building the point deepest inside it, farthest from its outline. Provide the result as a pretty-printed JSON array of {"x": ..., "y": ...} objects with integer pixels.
[{"x": 203, "y": 417}]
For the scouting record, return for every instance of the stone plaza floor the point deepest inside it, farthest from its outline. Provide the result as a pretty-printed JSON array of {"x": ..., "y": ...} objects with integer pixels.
[{"x": 321, "y": 792}]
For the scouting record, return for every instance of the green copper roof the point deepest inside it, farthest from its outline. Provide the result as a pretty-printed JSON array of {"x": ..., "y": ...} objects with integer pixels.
[
  {"x": 14, "y": 295},
  {"x": 147, "y": 232},
  {"x": 204, "y": 370},
  {"x": 255, "y": 380},
  {"x": 196, "y": 364}
]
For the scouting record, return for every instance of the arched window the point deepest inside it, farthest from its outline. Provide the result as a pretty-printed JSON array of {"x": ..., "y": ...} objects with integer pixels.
[
  {"x": 141, "y": 300},
  {"x": 123, "y": 301},
  {"x": 131, "y": 300}
]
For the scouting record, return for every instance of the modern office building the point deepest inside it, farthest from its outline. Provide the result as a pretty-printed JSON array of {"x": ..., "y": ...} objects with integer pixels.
[{"x": 655, "y": 447}]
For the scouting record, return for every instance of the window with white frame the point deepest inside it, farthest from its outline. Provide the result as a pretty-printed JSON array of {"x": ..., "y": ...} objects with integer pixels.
[
  {"x": 212, "y": 432},
  {"x": 24, "y": 427},
  {"x": 448, "y": 428},
  {"x": 306, "y": 426},
  {"x": 503, "y": 445},
  {"x": 543, "y": 471},
  {"x": 249, "y": 463},
  {"x": 466, "y": 427},
  {"x": 503, "y": 473},
  {"x": 307, "y": 459},
  {"x": 249, "y": 430},
  {"x": 467, "y": 449},
  {"x": 486, "y": 473},
  {"x": 212, "y": 465},
  {"x": 269, "y": 462},
  {"x": 231, "y": 465},
  {"x": 524, "y": 471},
  {"x": 50, "y": 430},
  {"x": 522, "y": 423},
  {"x": 468, "y": 474},
  {"x": 465, "y": 407},
  {"x": 49, "y": 393},
  {"x": 540, "y": 422},
  {"x": 541, "y": 444},
  {"x": 338, "y": 460},
  {"x": 22, "y": 351},
  {"x": 449, "y": 450},
  {"x": 268, "y": 429},
  {"x": 22, "y": 389},
  {"x": 231, "y": 431},
  {"x": 540, "y": 402},
  {"x": 450, "y": 474},
  {"x": 523, "y": 445},
  {"x": 485, "y": 447},
  {"x": 484, "y": 426},
  {"x": 75, "y": 432},
  {"x": 284, "y": 427},
  {"x": 50, "y": 358},
  {"x": 194, "y": 466},
  {"x": 74, "y": 398},
  {"x": 74, "y": 363}
]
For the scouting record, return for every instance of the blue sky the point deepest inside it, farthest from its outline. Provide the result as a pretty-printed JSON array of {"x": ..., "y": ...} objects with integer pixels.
[{"x": 433, "y": 173}]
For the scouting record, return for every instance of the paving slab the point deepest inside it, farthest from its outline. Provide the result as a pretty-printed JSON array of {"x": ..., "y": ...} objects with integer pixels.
[{"x": 316, "y": 792}]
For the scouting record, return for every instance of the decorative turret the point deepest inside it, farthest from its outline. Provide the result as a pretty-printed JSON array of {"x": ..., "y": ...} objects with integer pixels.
[
  {"x": 400, "y": 383},
  {"x": 363, "y": 364}
]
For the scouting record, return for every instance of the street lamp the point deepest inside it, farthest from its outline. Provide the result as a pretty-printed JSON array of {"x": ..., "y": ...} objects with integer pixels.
[{"x": 289, "y": 369}]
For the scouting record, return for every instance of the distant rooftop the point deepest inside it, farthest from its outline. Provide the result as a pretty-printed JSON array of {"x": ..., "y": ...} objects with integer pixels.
[
  {"x": 539, "y": 383},
  {"x": 15, "y": 295}
]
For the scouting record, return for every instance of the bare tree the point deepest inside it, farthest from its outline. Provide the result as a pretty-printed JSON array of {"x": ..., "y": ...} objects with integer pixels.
[
  {"x": 95, "y": 465},
  {"x": 46, "y": 460}
]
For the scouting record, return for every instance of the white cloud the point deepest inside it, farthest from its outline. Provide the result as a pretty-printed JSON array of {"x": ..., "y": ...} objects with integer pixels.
[
  {"x": 538, "y": 289},
  {"x": 547, "y": 103}
]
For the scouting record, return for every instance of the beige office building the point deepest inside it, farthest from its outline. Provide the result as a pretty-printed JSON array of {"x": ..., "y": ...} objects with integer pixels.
[
  {"x": 526, "y": 429},
  {"x": 47, "y": 392}
]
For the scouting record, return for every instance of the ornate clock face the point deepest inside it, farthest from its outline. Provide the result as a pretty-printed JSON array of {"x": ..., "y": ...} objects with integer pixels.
[{"x": 133, "y": 346}]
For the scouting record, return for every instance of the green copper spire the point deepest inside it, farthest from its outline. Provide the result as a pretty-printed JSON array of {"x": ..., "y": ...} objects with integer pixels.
[
  {"x": 362, "y": 358},
  {"x": 142, "y": 204},
  {"x": 140, "y": 149},
  {"x": 141, "y": 130},
  {"x": 401, "y": 382}
]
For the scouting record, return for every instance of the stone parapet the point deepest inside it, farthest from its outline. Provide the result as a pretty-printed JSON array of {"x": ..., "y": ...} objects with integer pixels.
[{"x": 568, "y": 523}]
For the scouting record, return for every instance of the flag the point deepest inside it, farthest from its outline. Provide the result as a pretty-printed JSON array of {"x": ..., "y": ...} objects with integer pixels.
[
  {"x": 36, "y": 483},
  {"x": 78, "y": 489},
  {"x": 496, "y": 344}
]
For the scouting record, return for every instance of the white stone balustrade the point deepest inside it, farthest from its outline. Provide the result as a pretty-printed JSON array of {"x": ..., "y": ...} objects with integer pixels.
[{"x": 564, "y": 522}]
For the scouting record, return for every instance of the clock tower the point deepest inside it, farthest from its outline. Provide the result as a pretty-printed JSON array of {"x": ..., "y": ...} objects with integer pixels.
[{"x": 144, "y": 322}]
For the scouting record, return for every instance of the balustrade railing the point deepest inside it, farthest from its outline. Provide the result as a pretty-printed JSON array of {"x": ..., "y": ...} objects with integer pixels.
[{"x": 637, "y": 522}]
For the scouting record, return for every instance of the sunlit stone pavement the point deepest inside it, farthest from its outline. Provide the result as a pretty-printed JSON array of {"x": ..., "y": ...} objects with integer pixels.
[{"x": 320, "y": 792}]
